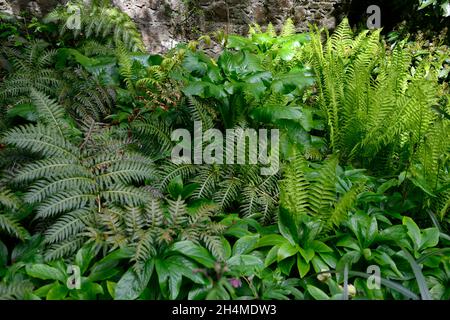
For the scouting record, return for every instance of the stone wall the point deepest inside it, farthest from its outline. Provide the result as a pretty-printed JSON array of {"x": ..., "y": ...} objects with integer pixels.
[{"x": 164, "y": 23}]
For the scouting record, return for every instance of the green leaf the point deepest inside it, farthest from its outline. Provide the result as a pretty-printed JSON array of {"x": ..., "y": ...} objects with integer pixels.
[
  {"x": 111, "y": 287},
  {"x": 271, "y": 240},
  {"x": 413, "y": 231},
  {"x": 289, "y": 50},
  {"x": 319, "y": 246},
  {"x": 372, "y": 232},
  {"x": 84, "y": 257},
  {"x": 131, "y": 285},
  {"x": 307, "y": 254},
  {"x": 106, "y": 267},
  {"x": 285, "y": 251},
  {"x": 271, "y": 256},
  {"x": 271, "y": 113},
  {"x": 430, "y": 238},
  {"x": 57, "y": 292},
  {"x": 423, "y": 287},
  {"x": 317, "y": 293},
  {"x": 43, "y": 291},
  {"x": 26, "y": 111},
  {"x": 387, "y": 185},
  {"x": 195, "y": 252},
  {"x": 44, "y": 272},
  {"x": 239, "y": 42},
  {"x": 286, "y": 83},
  {"x": 245, "y": 264},
  {"x": 163, "y": 272},
  {"x": 175, "y": 187},
  {"x": 245, "y": 244},
  {"x": 303, "y": 266},
  {"x": 287, "y": 226}
]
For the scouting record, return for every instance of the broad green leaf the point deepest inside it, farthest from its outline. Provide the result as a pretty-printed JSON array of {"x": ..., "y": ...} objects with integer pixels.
[
  {"x": 372, "y": 232},
  {"x": 286, "y": 265},
  {"x": 185, "y": 267},
  {"x": 131, "y": 285},
  {"x": 271, "y": 113},
  {"x": 307, "y": 254},
  {"x": 43, "y": 291},
  {"x": 195, "y": 252},
  {"x": 271, "y": 256},
  {"x": 245, "y": 244},
  {"x": 317, "y": 293},
  {"x": 303, "y": 266},
  {"x": 45, "y": 272},
  {"x": 430, "y": 238},
  {"x": 84, "y": 257},
  {"x": 318, "y": 264},
  {"x": 413, "y": 231},
  {"x": 271, "y": 240},
  {"x": 387, "y": 185},
  {"x": 285, "y": 251},
  {"x": 89, "y": 291},
  {"x": 163, "y": 272},
  {"x": 289, "y": 50},
  {"x": 319, "y": 246},
  {"x": 287, "y": 226},
  {"x": 57, "y": 292},
  {"x": 26, "y": 111},
  {"x": 245, "y": 265},
  {"x": 348, "y": 242},
  {"x": 175, "y": 187},
  {"x": 106, "y": 267},
  {"x": 294, "y": 80},
  {"x": 239, "y": 42}
]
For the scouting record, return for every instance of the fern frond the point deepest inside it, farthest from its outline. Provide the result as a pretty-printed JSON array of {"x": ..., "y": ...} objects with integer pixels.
[{"x": 10, "y": 225}]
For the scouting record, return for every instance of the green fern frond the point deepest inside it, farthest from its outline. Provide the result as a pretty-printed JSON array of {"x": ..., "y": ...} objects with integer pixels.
[
  {"x": 10, "y": 225},
  {"x": 66, "y": 227}
]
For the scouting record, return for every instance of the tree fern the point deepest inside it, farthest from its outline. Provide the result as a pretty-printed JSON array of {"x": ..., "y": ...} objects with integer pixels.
[
  {"x": 31, "y": 69},
  {"x": 72, "y": 178}
]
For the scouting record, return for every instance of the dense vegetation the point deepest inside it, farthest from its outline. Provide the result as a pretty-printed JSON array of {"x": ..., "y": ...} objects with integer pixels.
[{"x": 87, "y": 183}]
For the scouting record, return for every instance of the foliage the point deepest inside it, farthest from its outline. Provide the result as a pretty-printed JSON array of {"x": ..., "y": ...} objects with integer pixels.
[
  {"x": 92, "y": 207},
  {"x": 97, "y": 19},
  {"x": 442, "y": 6}
]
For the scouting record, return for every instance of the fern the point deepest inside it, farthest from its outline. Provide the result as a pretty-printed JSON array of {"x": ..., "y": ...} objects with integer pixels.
[
  {"x": 10, "y": 203},
  {"x": 73, "y": 181},
  {"x": 375, "y": 107},
  {"x": 152, "y": 227},
  {"x": 313, "y": 192},
  {"x": 31, "y": 70},
  {"x": 101, "y": 20}
]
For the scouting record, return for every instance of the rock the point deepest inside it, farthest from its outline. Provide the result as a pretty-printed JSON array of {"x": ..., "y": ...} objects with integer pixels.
[{"x": 164, "y": 23}]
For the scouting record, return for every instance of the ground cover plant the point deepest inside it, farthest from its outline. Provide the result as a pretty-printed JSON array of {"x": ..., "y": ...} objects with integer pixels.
[{"x": 92, "y": 205}]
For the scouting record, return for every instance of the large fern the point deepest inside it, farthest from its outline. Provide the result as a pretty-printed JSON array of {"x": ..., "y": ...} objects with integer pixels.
[
  {"x": 377, "y": 106},
  {"x": 32, "y": 68},
  {"x": 77, "y": 175},
  {"x": 313, "y": 192}
]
